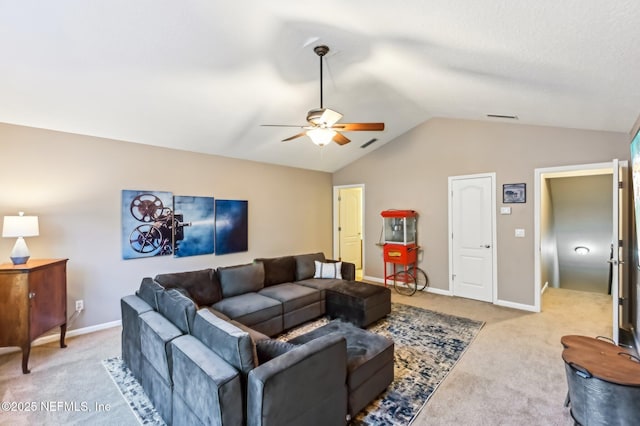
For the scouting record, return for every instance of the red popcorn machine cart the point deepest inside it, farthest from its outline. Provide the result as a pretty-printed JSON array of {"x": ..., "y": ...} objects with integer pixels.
[{"x": 400, "y": 251}]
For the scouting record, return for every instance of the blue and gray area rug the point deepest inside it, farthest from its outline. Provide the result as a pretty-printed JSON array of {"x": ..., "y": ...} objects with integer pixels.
[{"x": 427, "y": 346}]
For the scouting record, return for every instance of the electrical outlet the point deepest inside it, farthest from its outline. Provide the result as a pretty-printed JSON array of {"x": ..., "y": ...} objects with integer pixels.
[{"x": 79, "y": 305}]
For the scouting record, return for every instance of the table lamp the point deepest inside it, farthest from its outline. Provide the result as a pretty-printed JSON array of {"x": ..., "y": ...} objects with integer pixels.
[{"x": 19, "y": 227}]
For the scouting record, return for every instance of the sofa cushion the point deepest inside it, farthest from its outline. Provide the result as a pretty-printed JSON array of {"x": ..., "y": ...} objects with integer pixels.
[
  {"x": 278, "y": 270},
  {"x": 328, "y": 270},
  {"x": 271, "y": 348},
  {"x": 305, "y": 266},
  {"x": 241, "y": 279},
  {"x": 148, "y": 290},
  {"x": 249, "y": 308},
  {"x": 203, "y": 286},
  {"x": 225, "y": 339},
  {"x": 319, "y": 283},
  {"x": 177, "y": 308},
  {"x": 292, "y": 296},
  {"x": 367, "y": 352},
  {"x": 217, "y": 313}
]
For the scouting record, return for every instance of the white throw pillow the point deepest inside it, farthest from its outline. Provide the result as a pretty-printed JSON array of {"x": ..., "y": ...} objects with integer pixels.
[{"x": 328, "y": 270}]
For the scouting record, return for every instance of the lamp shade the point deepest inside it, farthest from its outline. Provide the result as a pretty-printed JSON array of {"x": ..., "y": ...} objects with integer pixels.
[
  {"x": 20, "y": 226},
  {"x": 321, "y": 136}
]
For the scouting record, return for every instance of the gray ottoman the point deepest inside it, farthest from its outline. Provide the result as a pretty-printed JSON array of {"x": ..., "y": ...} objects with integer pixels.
[
  {"x": 357, "y": 302},
  {"x": 369, "y": 361}
]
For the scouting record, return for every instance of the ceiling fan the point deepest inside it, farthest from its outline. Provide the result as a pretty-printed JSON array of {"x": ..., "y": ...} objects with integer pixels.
[{"x": 323, "y": 124}]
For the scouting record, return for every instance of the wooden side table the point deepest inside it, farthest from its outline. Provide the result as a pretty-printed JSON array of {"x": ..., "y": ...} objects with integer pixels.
[{"x": 33, "y": 300}]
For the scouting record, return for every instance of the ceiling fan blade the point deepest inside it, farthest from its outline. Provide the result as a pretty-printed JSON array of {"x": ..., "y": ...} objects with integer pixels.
[
  {"x": 341, "y": 139},
  {"x": 323, "y": 117},
  {"x": 294, "y": 137},
  {"x": 330, "y": 117},
  {"x": 354, "y": 127},
  {"x": 283, "y": 125}
]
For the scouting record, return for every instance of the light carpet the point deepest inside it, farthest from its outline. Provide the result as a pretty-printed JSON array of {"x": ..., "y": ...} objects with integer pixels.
[{"x": 427, "y": 346}]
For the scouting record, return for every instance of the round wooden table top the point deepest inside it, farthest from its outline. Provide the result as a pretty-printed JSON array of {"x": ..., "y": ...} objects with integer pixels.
[{"x": 602, "y": 359}]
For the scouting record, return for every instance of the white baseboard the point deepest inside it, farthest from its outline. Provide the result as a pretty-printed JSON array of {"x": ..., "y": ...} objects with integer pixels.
[
  {"x": 504, "y": 303},
  {"x": 54, "y": 337},
  {"x": 374, "y": 279},
  {"x": 428, "y": 289},
  {"x": 513, "y": 305},
  {"x": 439, "y": 291}
]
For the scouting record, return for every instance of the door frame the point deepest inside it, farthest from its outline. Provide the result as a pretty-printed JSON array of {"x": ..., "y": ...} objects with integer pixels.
[
  {"x": 336, "y": 220},
  {"x": 549, "y": 173},
  {"x": 494, "y": 233}
]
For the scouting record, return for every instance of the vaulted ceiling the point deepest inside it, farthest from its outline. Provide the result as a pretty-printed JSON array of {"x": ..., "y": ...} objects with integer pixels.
[{"x": 204, "y": 75}]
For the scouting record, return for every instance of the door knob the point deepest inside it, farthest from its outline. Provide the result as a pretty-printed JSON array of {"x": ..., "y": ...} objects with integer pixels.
[{"x": 486, "y": 246}]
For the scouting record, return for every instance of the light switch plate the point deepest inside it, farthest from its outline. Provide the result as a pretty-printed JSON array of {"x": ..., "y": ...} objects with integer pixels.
[
  {"x": 520, "y": 233},
  {"x": 505, "y": 210}
]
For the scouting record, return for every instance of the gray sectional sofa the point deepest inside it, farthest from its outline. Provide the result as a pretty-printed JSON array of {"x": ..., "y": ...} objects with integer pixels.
[{"x": 200, "y": 344}]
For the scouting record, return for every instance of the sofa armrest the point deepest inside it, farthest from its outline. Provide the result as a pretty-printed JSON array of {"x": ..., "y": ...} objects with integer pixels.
[
  {"x": 207, "y": 390},
  {"x": 306, "y": 385},
  {"x": 348, "y": 270},
  {"x": 131, "y": 307},
  {"x": 155, "y": 334}
]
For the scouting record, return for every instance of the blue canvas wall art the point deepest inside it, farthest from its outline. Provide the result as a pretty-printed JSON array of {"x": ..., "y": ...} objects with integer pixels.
[
  {"x": 194, "y": 229},
  {"x": 232, "y": 223},
  {"x": 147, "y": 222}
]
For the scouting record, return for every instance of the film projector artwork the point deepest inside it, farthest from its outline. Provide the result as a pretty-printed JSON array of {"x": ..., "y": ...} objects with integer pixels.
[{"x": 155, "y": 223}]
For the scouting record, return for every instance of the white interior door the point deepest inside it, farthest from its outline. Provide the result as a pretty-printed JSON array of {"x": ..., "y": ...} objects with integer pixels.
[
  {"x": 350, "y": 225},
  {"x": 472, "y": 231},
  {"x": 620, "y": 241}
]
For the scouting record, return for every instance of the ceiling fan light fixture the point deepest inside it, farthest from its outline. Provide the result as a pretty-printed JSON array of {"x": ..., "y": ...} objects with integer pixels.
[
  {"x": 321, "y": 136},
  {"x": 323, "y": 125},
  {"x": 582, "y": 250}
]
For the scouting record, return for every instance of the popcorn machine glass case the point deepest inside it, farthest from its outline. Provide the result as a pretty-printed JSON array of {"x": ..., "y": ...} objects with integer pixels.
[
  {"x": 399, "y": 236},
  {"x": 399, "y": 226}
]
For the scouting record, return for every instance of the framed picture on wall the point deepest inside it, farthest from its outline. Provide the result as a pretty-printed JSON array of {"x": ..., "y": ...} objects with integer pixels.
[
  {"x": 514, "y": 193},
  {"x": 232, "y": 226}
]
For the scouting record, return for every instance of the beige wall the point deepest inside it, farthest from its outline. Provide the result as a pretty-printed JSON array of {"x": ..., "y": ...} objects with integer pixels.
[
  {"x": 412, "y": 173},
  {"x": 74, "y": 183}
]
